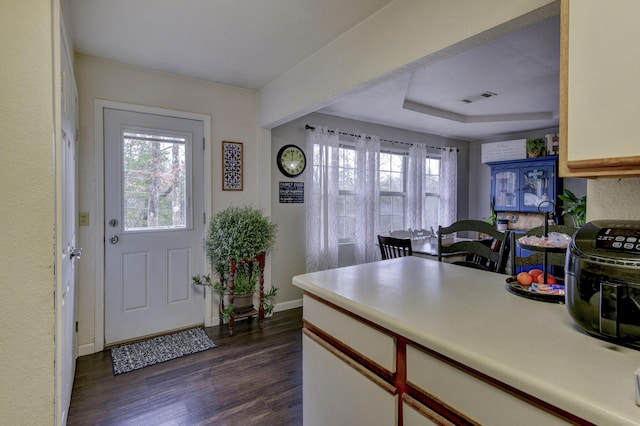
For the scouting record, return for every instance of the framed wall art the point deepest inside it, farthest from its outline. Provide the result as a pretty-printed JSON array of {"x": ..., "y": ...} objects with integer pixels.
[{"x": 232, "y": 166}]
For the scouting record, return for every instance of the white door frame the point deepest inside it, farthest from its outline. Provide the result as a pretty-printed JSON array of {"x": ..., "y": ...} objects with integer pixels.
[{"x": 98, "y": 124}]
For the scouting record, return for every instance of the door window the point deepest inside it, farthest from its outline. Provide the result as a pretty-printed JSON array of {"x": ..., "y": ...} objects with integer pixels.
[{"x": 155, "y": 190}]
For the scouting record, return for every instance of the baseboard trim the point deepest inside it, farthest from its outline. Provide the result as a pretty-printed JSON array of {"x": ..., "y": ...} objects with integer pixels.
[
  {"x": 285, "y": 306},
  {"x": 87, "y": 349},
  {"x": 290, "y": 304}
]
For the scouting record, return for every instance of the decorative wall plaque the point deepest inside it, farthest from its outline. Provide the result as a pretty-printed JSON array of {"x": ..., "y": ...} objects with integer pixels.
[{"x": 232, "y": 166}]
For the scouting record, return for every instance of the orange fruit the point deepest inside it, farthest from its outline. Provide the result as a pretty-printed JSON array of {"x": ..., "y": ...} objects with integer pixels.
[
  {"x": 550, "y": 279},
  {"x": 524, "y": 278},
  {"x": 534, "y": 273}
]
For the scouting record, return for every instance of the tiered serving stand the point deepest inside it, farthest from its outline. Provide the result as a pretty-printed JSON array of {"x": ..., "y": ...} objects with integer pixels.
[{"x": 530, "y": 291}]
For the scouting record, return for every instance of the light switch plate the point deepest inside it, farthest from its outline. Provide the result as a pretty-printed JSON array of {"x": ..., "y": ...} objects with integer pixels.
[{"x": 83, "y": 219}]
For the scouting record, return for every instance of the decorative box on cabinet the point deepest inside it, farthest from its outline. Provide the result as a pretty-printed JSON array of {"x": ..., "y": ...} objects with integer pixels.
[{"x": 522, "y": 185}]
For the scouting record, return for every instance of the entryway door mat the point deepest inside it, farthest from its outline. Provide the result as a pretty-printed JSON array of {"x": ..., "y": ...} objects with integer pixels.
[{"x": 133, "y": 356}]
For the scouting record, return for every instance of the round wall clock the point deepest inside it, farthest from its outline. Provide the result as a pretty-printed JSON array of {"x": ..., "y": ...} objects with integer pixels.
[{"x": 291, "y": 160}]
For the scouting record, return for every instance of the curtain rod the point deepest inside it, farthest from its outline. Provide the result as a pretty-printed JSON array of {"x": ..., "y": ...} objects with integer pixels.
[{"x": 308, "y": 127}]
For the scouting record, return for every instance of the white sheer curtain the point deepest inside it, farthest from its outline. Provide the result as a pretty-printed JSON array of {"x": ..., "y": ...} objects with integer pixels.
[
  {"x": 416, "y": 186},
  {"x": 322, "y": 196},
  {"x": 367, "y": 198},
  {"x": 448, "y": 186}
]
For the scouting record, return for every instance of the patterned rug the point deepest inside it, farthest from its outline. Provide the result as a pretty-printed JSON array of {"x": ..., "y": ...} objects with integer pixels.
[{"x": 133, "y": 356}]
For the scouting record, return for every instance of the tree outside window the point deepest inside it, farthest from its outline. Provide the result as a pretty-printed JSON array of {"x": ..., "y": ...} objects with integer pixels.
[{"x": 154, "y": 181}]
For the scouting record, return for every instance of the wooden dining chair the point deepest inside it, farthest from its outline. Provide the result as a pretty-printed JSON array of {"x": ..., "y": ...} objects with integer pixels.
[
  {"x": 489, "y": 255},
  {"x": 391, "y": 247},
  {"x": 556, "y": 260}
]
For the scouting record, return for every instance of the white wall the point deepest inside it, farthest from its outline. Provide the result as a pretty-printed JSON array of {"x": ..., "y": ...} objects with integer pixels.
[
  {"x": 233, "y": 115},
  {"x": 27, "y": 282},
  {"x": 289, "y": 252}
]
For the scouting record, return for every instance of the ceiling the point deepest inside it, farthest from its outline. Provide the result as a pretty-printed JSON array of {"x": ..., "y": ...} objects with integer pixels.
[{"x": 512, "y": 82}]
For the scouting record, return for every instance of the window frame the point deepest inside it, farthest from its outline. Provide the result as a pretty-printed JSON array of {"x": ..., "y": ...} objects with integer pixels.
[{"x": 351, "y": 192}]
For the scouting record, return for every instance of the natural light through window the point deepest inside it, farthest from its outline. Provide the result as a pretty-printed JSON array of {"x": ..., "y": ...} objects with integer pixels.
[{"x": 154, "y": 184}]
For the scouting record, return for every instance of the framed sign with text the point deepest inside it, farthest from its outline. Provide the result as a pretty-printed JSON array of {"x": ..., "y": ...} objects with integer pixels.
[{"x": 291, "y": 192}]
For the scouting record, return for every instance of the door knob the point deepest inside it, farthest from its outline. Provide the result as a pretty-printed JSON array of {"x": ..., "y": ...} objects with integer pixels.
[
  {"x": 75, "y": 252},
  {"x": 114, "y": 239}
]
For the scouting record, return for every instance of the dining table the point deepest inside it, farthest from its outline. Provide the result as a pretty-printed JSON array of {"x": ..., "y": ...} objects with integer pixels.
[{"x": 428, "y": 247}]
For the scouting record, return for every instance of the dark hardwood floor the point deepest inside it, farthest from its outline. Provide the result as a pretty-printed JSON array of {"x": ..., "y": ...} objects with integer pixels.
[{"x": 252, "y": 378}]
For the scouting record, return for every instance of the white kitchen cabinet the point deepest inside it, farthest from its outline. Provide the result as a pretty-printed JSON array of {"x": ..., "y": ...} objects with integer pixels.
[
  {"x": 470, "y": 397},
  {"x": 467, "y": 351},
  {"x": 416, "y": 414},
  {"x": 338, "y": 391},
  {"x": 599, "y": 88},
  {"x": 340, "y": 354}
]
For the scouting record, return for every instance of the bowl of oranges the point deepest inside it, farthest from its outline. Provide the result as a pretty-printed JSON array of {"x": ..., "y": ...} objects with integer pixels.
[{"x": 535, "y": 284}]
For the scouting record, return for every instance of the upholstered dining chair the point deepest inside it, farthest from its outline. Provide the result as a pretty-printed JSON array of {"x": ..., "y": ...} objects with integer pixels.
[
  {"x": 535, "y": 259},
  {"x": 489, "y": 255},
  {"x": 391, "y": 247}
]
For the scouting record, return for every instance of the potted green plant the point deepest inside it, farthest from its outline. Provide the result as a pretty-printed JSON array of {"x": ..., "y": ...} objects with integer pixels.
[
  {"x": 574, "y": 206},
  {"x": 536, "y": 147},
  {"x": 238, "y": 233},
  {"x": 492, "y": 219}
]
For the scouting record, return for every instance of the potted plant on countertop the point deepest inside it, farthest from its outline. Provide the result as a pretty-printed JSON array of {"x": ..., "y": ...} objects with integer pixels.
[
  {"x": 238, "y": 234},
  {"x": 574, "y": 206}
]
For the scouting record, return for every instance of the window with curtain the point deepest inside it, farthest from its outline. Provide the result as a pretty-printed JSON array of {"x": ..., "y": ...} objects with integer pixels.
[
  {"x": 393, "y": 203},
  {"x": 432, "y": 193},
  {"x": 392, "y": 192},
  {"x": 374, "y": 191}
]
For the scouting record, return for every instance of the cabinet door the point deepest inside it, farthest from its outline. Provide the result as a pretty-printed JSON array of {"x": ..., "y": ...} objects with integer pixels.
[
  {"x": 505, "y": 189},
  {"x": 338, "y": 391},
  {"x": 599, "y": 88},
  {"x": 538, "y": 187}
]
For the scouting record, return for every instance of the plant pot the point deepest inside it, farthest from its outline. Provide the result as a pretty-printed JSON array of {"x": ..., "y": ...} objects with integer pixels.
[{"x": 242, "y": 303}]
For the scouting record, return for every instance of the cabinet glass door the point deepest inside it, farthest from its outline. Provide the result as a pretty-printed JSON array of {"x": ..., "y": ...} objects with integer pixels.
[
  {"x": 536, "y": 186},
  {"x": 506, "y": 190}
]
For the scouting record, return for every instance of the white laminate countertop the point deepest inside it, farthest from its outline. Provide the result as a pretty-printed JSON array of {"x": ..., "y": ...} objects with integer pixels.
[{"x": 469, "y": 316}]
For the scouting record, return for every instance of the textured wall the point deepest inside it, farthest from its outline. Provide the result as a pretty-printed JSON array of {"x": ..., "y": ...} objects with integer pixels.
[
  {"x": 613, "y": 199},
  {"x": 27, "y": 212}
]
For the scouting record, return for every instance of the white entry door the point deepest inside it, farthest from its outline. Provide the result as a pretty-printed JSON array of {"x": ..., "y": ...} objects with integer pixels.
[{"x": 154, "y": 224}]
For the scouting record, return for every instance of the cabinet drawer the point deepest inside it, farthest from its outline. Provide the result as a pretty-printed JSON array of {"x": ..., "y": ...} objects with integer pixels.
[
  {"x": 367, "y": 341},
  {"x": 470, "y": 396}
]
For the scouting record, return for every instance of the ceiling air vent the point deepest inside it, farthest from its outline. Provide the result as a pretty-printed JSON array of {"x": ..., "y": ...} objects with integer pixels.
[{"x": 479, "y": 97}]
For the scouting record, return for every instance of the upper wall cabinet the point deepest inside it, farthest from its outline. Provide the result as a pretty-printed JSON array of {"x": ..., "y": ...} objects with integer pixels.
[
  {"x": 599, "y": 88},
  {"x": 524, "y": 185}
]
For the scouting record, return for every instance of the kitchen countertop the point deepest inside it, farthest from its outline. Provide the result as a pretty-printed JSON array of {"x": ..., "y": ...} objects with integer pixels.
[{"x": 469, "y": 316}]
